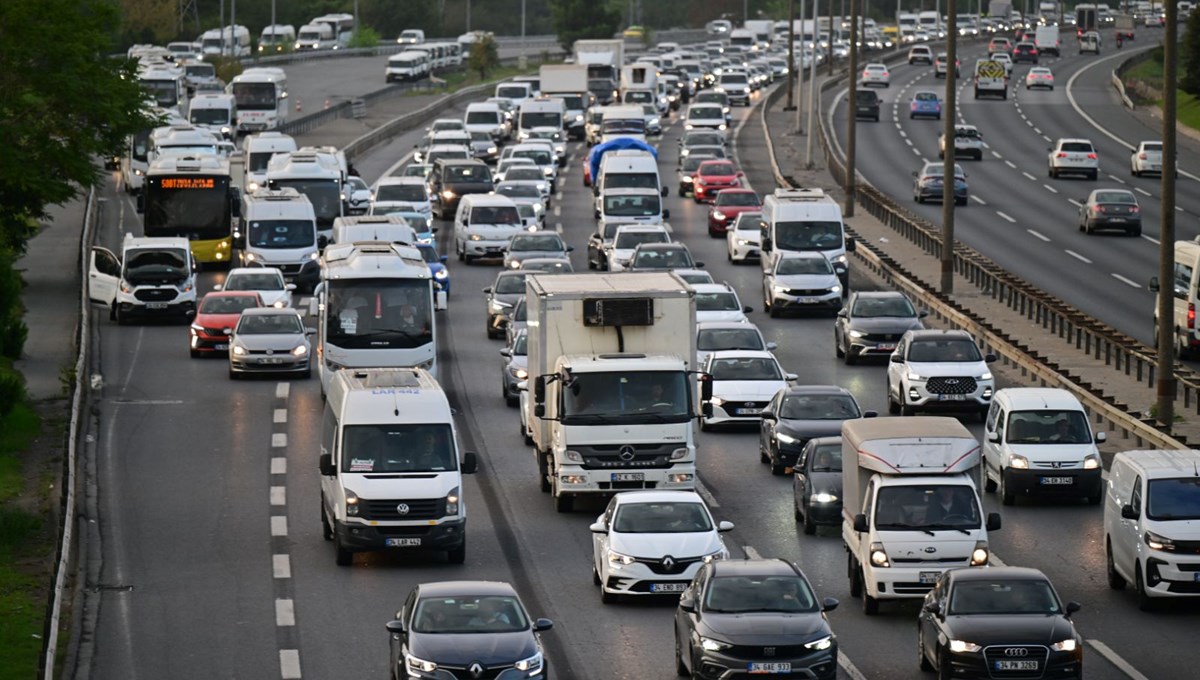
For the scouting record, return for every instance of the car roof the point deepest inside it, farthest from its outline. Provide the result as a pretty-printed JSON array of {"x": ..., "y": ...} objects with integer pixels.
[
  {"x": 877, "y": 294},
  {"x": 797, "y": 390},
  {"x": 717, "y": 325},
  {"x": 998, "y": 573},
  {"x": 652, "y": 496},
  {"x": 800, "y": 254},
  {"x": 743, "y": 354},
  {"x": 641, "y": 229},
  {"x": 661, "y": 246},
  {"x": 395, "y": 179},
  {"x": 713, "y": 288},
  {"x": 1040, "y": 397},
  {"x": 1064, "y": 140},
  {"x": 467, "y": 588},
  {"x": 759, "y": 567},
  {"x": 252, "y": 270},
  {"x": 271, "y": 311},
  {"x": 938, "y": 333},
  {"x": 231, "y": 294}
]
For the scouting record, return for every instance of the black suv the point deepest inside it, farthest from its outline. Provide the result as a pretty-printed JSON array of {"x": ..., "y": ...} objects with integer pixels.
[
  {"x": 866, "y": 104},
  {"x": 452, "y": 178},
  {"x": 1025, "y": 52}
]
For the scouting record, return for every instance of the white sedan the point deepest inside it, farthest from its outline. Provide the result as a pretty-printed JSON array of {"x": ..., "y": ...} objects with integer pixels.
[
  {"x": 718, "y": 302},
  {"x": 743, "y": 381},
  {"x": 876, "y": 74},
  {"x": 1039, "y": 76},
  {"x": 653, "y": 543},
  {"x": 744, "y": 239},
  {"x": 268, "y": 282},
  {"x": 1146, "y": 158}
]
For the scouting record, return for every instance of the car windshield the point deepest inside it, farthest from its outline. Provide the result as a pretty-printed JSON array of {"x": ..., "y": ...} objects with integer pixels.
[
  {"x": 818, "y": 407},
  {"x": 991, "y": 597},
  {"x": 695, "y": 277},
  {"x": 632, "y": 206},
  {"x": 927, "y": 507},
  {"x": 672, "y": 258},
  {"x": 693, "y": 161},
  {"x": 1173, "y": 499},
  {"x": 525, "y": 173},
  {"x": 716, "y": 302},
  {"x": 397, "y": 448},
  {"x": 538, "y": 156},
  {"x": 796, "y": 266},
  {"x": 737, "y": 198},
  {"x": 826, "y": 458},
  {"x": 716, "y": 339},
  {"x": 937, "y": 170},
  {"x": 519, "y": 344},
  {"x": 945, "y": 350},
  {"x": 539, "y": 242},
  {"x": 740, "y": 594},
  {"x": 717, "y": 169},
  {"x": 1048, "y": 427},
  {"x": 813, "y": 235},
  {"x": 401, "y": 192},
  {"x": 471, "y": 614},
  {"x": 1114, "y": 197},
  {"x": 501, "y": 214},
  {"x": 661, "y": 518},
  {"x": 282, "y": 234},
  {"x": 628, "y": 240},
  {"x": 254, "y": 282},
  {"x": 416, "y": 170},
  {"x": 706, "y": 113},
  {"x": 703, "y": 139},
  {"x": 227, "y": 304},
  {"x": 269, "y": 324},
  {"x": 468, "y": 173},
  {"x": 509, "y": 284},
  {"x": 429, "y": 254},
  {"x": 873, "y": 307},
  {"x": 519, "y": 190},
  {"x": 747, "y": 368}
]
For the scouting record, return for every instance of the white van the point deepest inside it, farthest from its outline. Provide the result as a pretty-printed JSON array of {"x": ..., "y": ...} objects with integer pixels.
[
  {"x": 407, "y": 66},
  {"x": 1037, "y": 441},
  {"x": 153, "y": 278},
  {"x": 486, "y": 117},
  {"x": 257, "y": 151},
  {"x": 482, "y": 225},
  {"x": 391, "y": 477},
  {"x": 278, "y": 228},
  {"x": 542, "y": 112},
  {"x": 215, "y": 112},
  {"x": 516, "y": 92},
  {"x": 1152, "y": 524},
  {"x": 317, "y": 36},
  {"x": 798, "y": 220},
  {"x": 387, "y": 228},
  {"x": 1186, "y": 288},
  {"x": 277, "y": 38}
]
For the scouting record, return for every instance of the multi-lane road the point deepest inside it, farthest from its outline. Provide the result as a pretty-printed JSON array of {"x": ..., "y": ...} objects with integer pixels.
[{"x": 213, "y": 561}]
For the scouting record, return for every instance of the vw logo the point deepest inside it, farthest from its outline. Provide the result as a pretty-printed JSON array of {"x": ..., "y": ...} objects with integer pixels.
[
  {"x": 1016, "y": 651},
  {"x": 931, "y": 550},
  {"x": 768, "y": 651},
  {"x": 668, "y": 562},
  {"x": 270, "y": 352},
  {"x": 626, "y": 453},
  {"x": 476, "y": 669},
  {"x": 402, "y": 508}
]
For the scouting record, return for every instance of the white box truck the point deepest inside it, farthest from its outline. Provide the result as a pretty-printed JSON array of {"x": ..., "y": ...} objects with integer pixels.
[
  {"x": 568, "y": 82},
  {"x": 612, "y": 387},
  {"x": 603, "y": 58},
  {"x": 910, "y": 505}
]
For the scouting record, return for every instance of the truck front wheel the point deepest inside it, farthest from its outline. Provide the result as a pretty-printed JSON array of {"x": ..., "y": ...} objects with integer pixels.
[
  {"x": 564, "y": 503},
  {"x": 544, "y": 471},
  {"x": 856, "y": 577},
  {"x": 870, "y": 605}
]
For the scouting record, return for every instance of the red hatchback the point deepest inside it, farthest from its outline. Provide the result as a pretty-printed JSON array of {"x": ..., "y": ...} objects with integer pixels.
[
  {"x": 713, "y": 176},
  {"x": 217, "y": 312},
  {"x": 728, "y": 204}
]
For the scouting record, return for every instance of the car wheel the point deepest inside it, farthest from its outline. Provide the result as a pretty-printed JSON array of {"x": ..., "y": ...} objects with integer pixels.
[
  {"x": 234, "y": 375},
  {"x": 906, "y": 410},
  {"x": 796, "y": 509},
  {"x": 595, "y": 576},
  {"x": 511, "y": 401},
  {"x": 564, "y": 503},
  {"x": 607, "y": 597},
  {"x": 893, "y": 406},
  {"x": 989, "y": 484},
  {"x": 326, "y": 530},
  {"x": 1006, "y": 494},
  {"x": 870, "y": 605},
  {"x": 543, "y": 469},
  {"x": 777, "y": 467},
  {"x": 763, "y": 456},
  {"x": 1145, "y": 602},
  {"x": 1095, "y": 174},
  {"x": 924, "y": 660},
  {"x": 344, "y": 557},
  {"x": 195, "y": 354},
  {"x": 851, "y": 357},
  {"x": 944, "y": 669},
  {"x": 810, "y": 527},
  {"x": 837, "y": 347},
  {"x": 1115, "y": 580},
  {"x": 1137, "y": 231}
]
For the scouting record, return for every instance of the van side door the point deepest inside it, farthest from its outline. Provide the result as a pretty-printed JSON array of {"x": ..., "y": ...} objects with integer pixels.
[
  {"x": 104, "y": 275},
  {"x": 993, "y": 451},
  {"x": 1184, "y": 289}
]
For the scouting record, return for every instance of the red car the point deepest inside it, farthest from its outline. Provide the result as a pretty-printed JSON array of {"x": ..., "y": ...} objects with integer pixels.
[
  {"x": 713, "y": 176},
  {"x": 587, "y": 171},
  {"x": 728, "y": 204},
  {"x": 217, "y": 312}
]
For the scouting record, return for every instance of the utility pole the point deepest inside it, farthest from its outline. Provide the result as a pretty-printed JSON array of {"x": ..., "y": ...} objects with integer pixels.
[
  {"x": 812, "y": 94},
  {"x": 817, "y": 39},
  {"x": 852, "y": 118},
  {"x": 1165, "y": 390},
  {"x": 791, "y": 34},
  {"x": 949, "y": 112},
  {"x": 799, "y": 71},
  {"x": 221, "y": 26}
]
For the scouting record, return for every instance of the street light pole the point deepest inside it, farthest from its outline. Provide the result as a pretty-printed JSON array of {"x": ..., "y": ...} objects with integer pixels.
[
  {"x": 848, "y": 208},
  {"x": 791, "y": 34},
  {"x": 812, "y": 93},
  {"x": 949, "y": 111},
  {"x": 1165, "y": 389}
]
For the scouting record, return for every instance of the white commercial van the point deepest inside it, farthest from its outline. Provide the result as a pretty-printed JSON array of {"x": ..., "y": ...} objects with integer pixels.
[
  {"x": 540, "y": 113},
  {"x": 1037, "y": 441},
  {"x": 516, "y": 92},
  {"x": 798, "y": 220},
  {"x": 153, "y": 278},
  {"x": 277, "y": 38},
  {"x": 391, "y": 476},
  {"x": 623, "y": 121},
  {"x": 408, "y": 66},
  {"x": 278, "y": 228},
  {"x": 1185, "y": 287},
  {"x": 257, "y": 151},
  {"x": 317, "y": 36},
  {"x": 1152, "y": 524},
  {"x": 215, "y": 112},
  {"x": 486, "y": 117},
  {"x": 482, "y": 225}
]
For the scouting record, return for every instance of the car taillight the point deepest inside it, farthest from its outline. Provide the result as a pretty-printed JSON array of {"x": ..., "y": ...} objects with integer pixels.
[
  {"x": 1099, "y": 208},
  {"x": 1191, "y": 316},
  {"x": 1142, "y": 156},
  {"x": 1062, "y": 154},
  {"x": 1134, "y": 208},
  {"x": 1092, "y": 156}
]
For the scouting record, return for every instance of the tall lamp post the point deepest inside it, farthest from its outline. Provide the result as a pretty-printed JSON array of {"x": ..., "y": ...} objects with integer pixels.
[
  {"x": 851, "y": 180},
  {"x": 949, "y": 111},
  {"x": 1165, "y": 389}
]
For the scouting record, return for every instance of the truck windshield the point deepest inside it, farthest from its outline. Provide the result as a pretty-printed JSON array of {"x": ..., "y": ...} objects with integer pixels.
[
  {"x": 482, "y": 118},
  {"x": 927, "y": 508},
  {"x": 625, "y": 398},
  {"x": 631, "y": 180},
  {"x": 398, "y": 448},
  {"x": 815, "y": 235},
  {"x": 210, "y": 116},
  {"x": 1173, "y": 499},
  {"x": 379, "y": 313},
  {"x": 632, "y": 206},
  {"x": 164, "y": 92},
  {"x": 628, "y": 126},
  {"x": 281, "y": 234}
]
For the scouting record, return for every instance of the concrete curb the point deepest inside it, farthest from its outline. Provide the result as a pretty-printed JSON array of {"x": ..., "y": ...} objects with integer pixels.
[{"x": 1120, "y": 88}]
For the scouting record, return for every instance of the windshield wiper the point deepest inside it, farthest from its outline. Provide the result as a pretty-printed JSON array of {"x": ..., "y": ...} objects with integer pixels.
[
  {"x": 903, "y": 526},
  {"x": 948, "y": 527}
]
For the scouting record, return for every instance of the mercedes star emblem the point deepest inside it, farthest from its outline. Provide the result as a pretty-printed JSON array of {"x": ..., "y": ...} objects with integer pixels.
[{"x": 626, "y": 453}]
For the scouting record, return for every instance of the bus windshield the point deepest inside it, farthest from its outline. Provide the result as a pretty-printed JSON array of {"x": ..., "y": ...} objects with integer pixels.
[
  {"x": 196, "y": 207},
  {"x": 255, "y": 96},
  {"x": 379, "y": 313},
  {"x": 324, "y": 194}
]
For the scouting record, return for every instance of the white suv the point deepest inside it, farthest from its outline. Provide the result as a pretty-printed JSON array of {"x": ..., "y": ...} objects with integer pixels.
[
  {"x": 1076, "y": 156},
  {"x": 968, "y": 142},
  {"x": 939, "y": 370}
]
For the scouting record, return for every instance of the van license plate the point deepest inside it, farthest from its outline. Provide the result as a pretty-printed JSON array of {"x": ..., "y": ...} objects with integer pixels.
[
  {"x": 628, "y": 476},
  {"x": 1006, "y": 665},
  {"x": 1057, "y": 481},
  {"x": 402, "y": 542},
  {"x": 928, "y": 577},
  {"x": 766, "y": 668},
  {"x": 156, "y": 305}
]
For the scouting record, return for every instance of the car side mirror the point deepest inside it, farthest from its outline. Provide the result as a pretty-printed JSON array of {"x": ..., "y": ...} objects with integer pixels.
[
  {"x": 322, "y": 242},
  {"x": 396, "y": 627},
  {"x": 914, "y": 173},
  {"x": 768, "y": 415},
  {"x": 829, "y": 604},
  {"x": 843, "y": 313},
  {"x": 851, "y": 244},
  {"x": 687, "y": 604},
  {"x": 1073, "y": 607},
  {"x": 570, "y": 249},
  {"x": 897, "y": 359},
  {"x": 488, "y": 290},
  {"x": 989, "y": 358},
  {"x": 598, "y": 528},
  {"x": 325, "y": 463},
  {"x": 1153, "y": 284},
  {"x": 993, "y": 521},
  {"x": 860, "y": 523},
  {"x": 290, "y": 287},
  {"x": 922, "y": 314},
  {"x": 870, "y": 414},
  {"x": 791, "y": 377},
  {"x": 1127, "y": 512},
  {"x": 470, "y": 463},
  {"x": 933, "y": 607},
  {"x": 724, "y": 525},
  {"x": 699, "y": 265},
  {"x": 746, "y": 309},
  {"x": 993, "y": 437},
  {"x": 542, "y": 624},
  {"x": 1101, "y": 437},
  {"x": 771, "y": 346},
  {"x": 767, "y": 245},
  {"x": 506, "y": 353}
]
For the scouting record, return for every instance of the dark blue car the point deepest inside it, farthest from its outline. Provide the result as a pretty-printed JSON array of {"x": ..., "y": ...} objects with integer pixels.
[{"x": 437, "y": 266}]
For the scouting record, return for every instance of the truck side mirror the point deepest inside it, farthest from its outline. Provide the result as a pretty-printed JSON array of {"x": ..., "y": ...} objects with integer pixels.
[
  {"x": 470, "y": 463},
  {"x": 141, "y": 202},
  {"x": 860, "y": 523},
  {"x": 706, "y": 409},
  {"x": 993, "y": 437},
  {"x": 706, "y": 387},
  {"x": 767, "y": 244},
  {"x": 539, "y": 389},
  {"x": 539, "y": 410},
  {"x": 993, "y": 521},
  {"x": 325, "y": 462},
  {"x": 1127, "y": 512},
  {"x": 666, "y": 213}
]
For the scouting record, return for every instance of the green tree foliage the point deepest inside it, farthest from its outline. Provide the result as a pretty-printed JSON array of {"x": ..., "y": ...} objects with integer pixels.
[
  {"x": 65, "y": 105},
  {"x": 583, "y": 19},
  {"x": 1189, "y": 56},
  {"x": 483, "y": 57},
  {"x": 364, "y": 36}
]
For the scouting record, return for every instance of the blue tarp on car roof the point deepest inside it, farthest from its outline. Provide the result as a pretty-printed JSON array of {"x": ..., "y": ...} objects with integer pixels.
[{"x": 620, "y": 143}]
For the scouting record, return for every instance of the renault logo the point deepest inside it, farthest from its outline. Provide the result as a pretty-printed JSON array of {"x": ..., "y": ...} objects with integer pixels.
[
  {"x": 668, "y": 562},
  {"x": 1016, "y": 651},
  {"x": 402, "y": 508},
  {"x": 626, "y": 453},
  {"x": 476, "y": 669}
]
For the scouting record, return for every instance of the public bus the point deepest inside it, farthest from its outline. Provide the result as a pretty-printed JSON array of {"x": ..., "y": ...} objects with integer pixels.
[
  {"x": 136, "y": 159},
  {"x": 192, "y": 197},
  {"x": 262, "y": 98}
]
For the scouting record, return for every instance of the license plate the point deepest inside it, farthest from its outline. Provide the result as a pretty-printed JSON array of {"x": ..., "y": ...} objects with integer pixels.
[
  {"x": 156, "y": 305},
  {"x": 1057, "y": 481},
  {"x": 886, "y": 348},
  {"x": 668, "y": 587},
  {"x": 806, "y": 301},
  {"x": 1007, "y": 665},
  {"x": 271, "y": 360},
  {"x": 1116, "y": 219},
  {"x": 765, "y": 668},
  {"x": 402, "y": 542},
  {"x": 628, "y": 476},
  {"x": 1156, "y": 168},
  {"x": 928, "y": 577},
  {"x": 223, "y": 347},
  {"x": 951, "y": 397},
  {"x": 748, "y": 411}
]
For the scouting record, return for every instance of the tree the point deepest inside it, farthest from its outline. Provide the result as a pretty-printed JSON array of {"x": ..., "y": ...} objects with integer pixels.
[
  {"x": 65, "y": 104},
  {"x": 580, "y": 19},
  {"x": 1189, "y": 53},
  {"x": 483, "y": 56}
]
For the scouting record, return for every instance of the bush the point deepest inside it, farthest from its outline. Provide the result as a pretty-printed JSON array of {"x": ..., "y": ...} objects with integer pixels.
[
  {"x": 12, "y": 391},
  {"x": 12, "y": 329},
  {"x": 227, "y": 67},
  {"x": 364, "y": 36}
]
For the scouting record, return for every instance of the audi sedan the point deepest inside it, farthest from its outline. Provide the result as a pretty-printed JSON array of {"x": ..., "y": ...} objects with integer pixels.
[
  {"x": 1115, "y": 209},
  {"x": 998, "y": 622}
]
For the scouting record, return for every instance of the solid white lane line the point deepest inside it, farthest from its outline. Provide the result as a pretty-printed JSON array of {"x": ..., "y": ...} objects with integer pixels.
[
  {"x": 279, "y": 466},
  {"x": 289, "y": 664},
  {"x": 1038, "y": 235},
  {"x": 282, "y": 389},
  {"x": 281, "y": 566},
  {"x": 1151, "y": 239},
  {"x": 1029, "y": 176},
  {"x": 978, "y": 200},
  {"x": 278, "y": 440},
  {"x": 285, "y": 612},
  {"x": 279, "y": 495},
  {"x": 1122, "y": 279},
  {"x": 1005, "y": 216},
  {"x": 1116, "y": 660},
  {"x": 1011, "y": 164},
  {"x": 851, "y": 670},
  {"x": 280, "y": 415},
  {"x": 279, "y": 525},
  {"x": 1141, "y": 191},
  {"x": 1077, "y": 256},
  {"x": 706, "y": 494}
]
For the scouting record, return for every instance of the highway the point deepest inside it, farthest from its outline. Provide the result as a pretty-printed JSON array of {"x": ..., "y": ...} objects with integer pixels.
[
  {"x": 1018, "y": 216},
  {"x": 214, "y": 564}
]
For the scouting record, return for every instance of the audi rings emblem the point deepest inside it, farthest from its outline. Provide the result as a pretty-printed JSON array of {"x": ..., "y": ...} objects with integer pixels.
[
  {"x": 1016, "y": 651},
  {"x": 402, "y": 508},
  {"x": 627, "y": 453}
]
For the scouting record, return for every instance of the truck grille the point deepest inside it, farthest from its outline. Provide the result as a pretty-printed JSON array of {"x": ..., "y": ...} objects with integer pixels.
[
  {"x": 1038, "y": 653},
  {"x": 951, "y": 385},
  {"x": 603, "y": 456},
  {"x": 155, "y": 294},
  {"x": 395, "y": 510}
]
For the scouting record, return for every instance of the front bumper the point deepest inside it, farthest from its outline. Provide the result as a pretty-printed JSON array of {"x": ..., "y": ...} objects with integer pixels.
[
  {"x": 281, "y": 362},
  {"x": 744, "y": 251},
  {"x": 130, "y": 310},
  {"x": 726, "y": 414},
  {"x": 709, "y": 665},
  {"x": 917, "y": 394},
  {"x": 484, "y": 248},
  {"x": 447, "y": 535},
  {"x": 641, "y": 579},
  {"x": 866, "y": 347},
  {"x": 824, "y": 514},
  {"x": 1172, "y": 577},
  {"x": 209, "y": 343},
  {"x": 1034, "y": 482},
  {"x": 575, "y": 480},
  {"x": 1051, "y": 664},
  {"x": 826, "y": 302}
]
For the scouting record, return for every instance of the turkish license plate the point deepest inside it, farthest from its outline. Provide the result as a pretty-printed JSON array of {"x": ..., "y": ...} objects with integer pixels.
[
  {"x": 492, "y": 250},
  {"x": 928, "y": 577},
  {"x": 270, "y": 360},
  {"x": 806, "y": 301},
  {"x": 223, "y": 347},
  {"x": 951, "y": 397},
  {"x": 1116, "y": 219},
  {"x": 1156, "y": 168},
  {"x": 1057, "y": 481},
  {"x": 668, "y": 587},
  {"x": 628, "y": 476},
  {"x": 156, "y": 305},
  {"x": 768, "y": 667},
  {"x": 748, "y": 411},
  {"x": 1016, "y": 665},
  {"x": 402, "y": 542},
  {"x": 886, "y": 348}
]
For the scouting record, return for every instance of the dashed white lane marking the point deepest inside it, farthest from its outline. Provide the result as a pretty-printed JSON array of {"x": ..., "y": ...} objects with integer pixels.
[
  {"x": 280, "y": 415},
  {"x": 1116, "y": 660},
  {"x": 1077, "y": 256},
  {"x": 282, "y": 389},
  {"x": 279, "y": 526},
  {"x": 285, "y": 612},
  {"x": 1046, "y": 137},
  {"x": 279, "y": 495},
  {"x": 289, "y": 664},
  {"x": 1151, "y": 239},
  {"x": 1005, "y": 216},
  {"x": 1130, "y": 282},
  {"x": 558, "y": 211},
  {"x": 751, "y": 552},
  {"x": 558, "y": 196},
  {"x": 1141, "y": 191},
  {"x": 1011, "y": 164},
  {"x": 558, "y": 227},
  {"x": 1178, "y": 209},
  {"x": 1029, "y": 176},
  {"x": 1038, "y": 235},
  {"x": 997, "y": 155},
  {"x": 278, "y": 440},
  {"x": 281, "y": 566},
  {"x": 903, "y": 133},
  {"x": 1116, "y": 179},
  {"x": 908, "y": 142},
  {"x": 978, "y": 200},
  {"x": 279, "y": 466},
  {"x": 1050, "y": 189},
  {"x": 916, "y": 151},
  {"x": 1075, "y": 203}
]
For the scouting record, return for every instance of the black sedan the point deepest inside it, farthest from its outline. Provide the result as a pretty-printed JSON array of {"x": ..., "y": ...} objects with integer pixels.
[
  {"x": 998, "y": 622},
  {"x": 817, "y": 484},
  {"x": 871, "y": 323},
  {"x": 1115, "y": 209},
  {"x": 753, "y": 617},
  {"x": 796, "y": 414},
  {"x": 466, "y": 629}
]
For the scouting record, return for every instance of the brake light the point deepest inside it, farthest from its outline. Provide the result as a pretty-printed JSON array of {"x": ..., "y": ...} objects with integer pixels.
[
  {"x": 1099, "y": 208},
  {"x": 1092, "y": 156},
  {"x": 1134, "y": 209},
  {"x": 1191, "y": 316},
  {"x": 1142, "y": 156},
  {"x": 1062, "y": 154}
]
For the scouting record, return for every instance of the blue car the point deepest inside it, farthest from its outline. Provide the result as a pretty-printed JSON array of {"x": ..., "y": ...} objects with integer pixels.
[
  {"x": 437, "y": 266},
  {"x": 926, "y": 104},
  {"x": 422, "y": 224}
]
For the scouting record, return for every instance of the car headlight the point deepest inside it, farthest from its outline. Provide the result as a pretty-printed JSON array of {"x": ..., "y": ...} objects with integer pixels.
[
  {"x": 879, "y": 556},
  {"x": 441, "y": 275},
  {"x": 579, "y": 118},
  {"x": 238, "y": 350},
  {"x": 452, "y": 499},
  {"x": 226, "y": 130},
  {"x": 279, "y": 304},
  {"x": 251, "y": 257},
  {"x": 915, "y": 376},
  {"x": 250, "y": 188},
  {"x": 1091, "y": 462},
  {"x": 184, "y": 287},
  {"x": 687, "y": 179},
  {"x": 518, "y": 373},
  {"x": 617, "y": 559},
  {"x": 533, "y": 663},
  {"x": 548, "y": 171},
  {"x": 351, "y": 503},
  {"x": 542, "y": 187},
  {"x": 499, "y": 307},
  {"x": 721, "y": 554},
  {"x": 197, "y": 328},
  {"x": 857, "y": 334},
  {"x": 1067, "y": 645},
  {"x": 719, "y": 216},
  {"x": 835, "y": 289},
  {"x": 314, "y": 255},
  {"x": 964, "y": 647},
  {"x": 448, "y": 194},
  {"x": 415, "y": 665},
  {"x": 711, "y": 645},
  {"x": 492, "y": 150},
  {"x": 839, "y": 259},
  {"x": 717, "y": 401},
  {"x": 980, "y": 555},
  {"x": 744, "y": 242},
  {"x": 1157, "y": 542},
  {"x": 820, "y": 643},
  {"x": 786, "y": 438},
  {"x": 515, "y": 264},
  {"x": 823, "y": 497},
  {"x": 573, "y": 456},
  {"x": 1018, "y": 462},
  {"x": 299, "y": 350},
  {"x": 986, "y": 375},
  {"x": 474, "y": 237}
]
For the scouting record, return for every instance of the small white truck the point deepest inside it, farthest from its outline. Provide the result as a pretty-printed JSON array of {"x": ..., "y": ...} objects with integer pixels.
[{"x": 910, "y": 505}]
